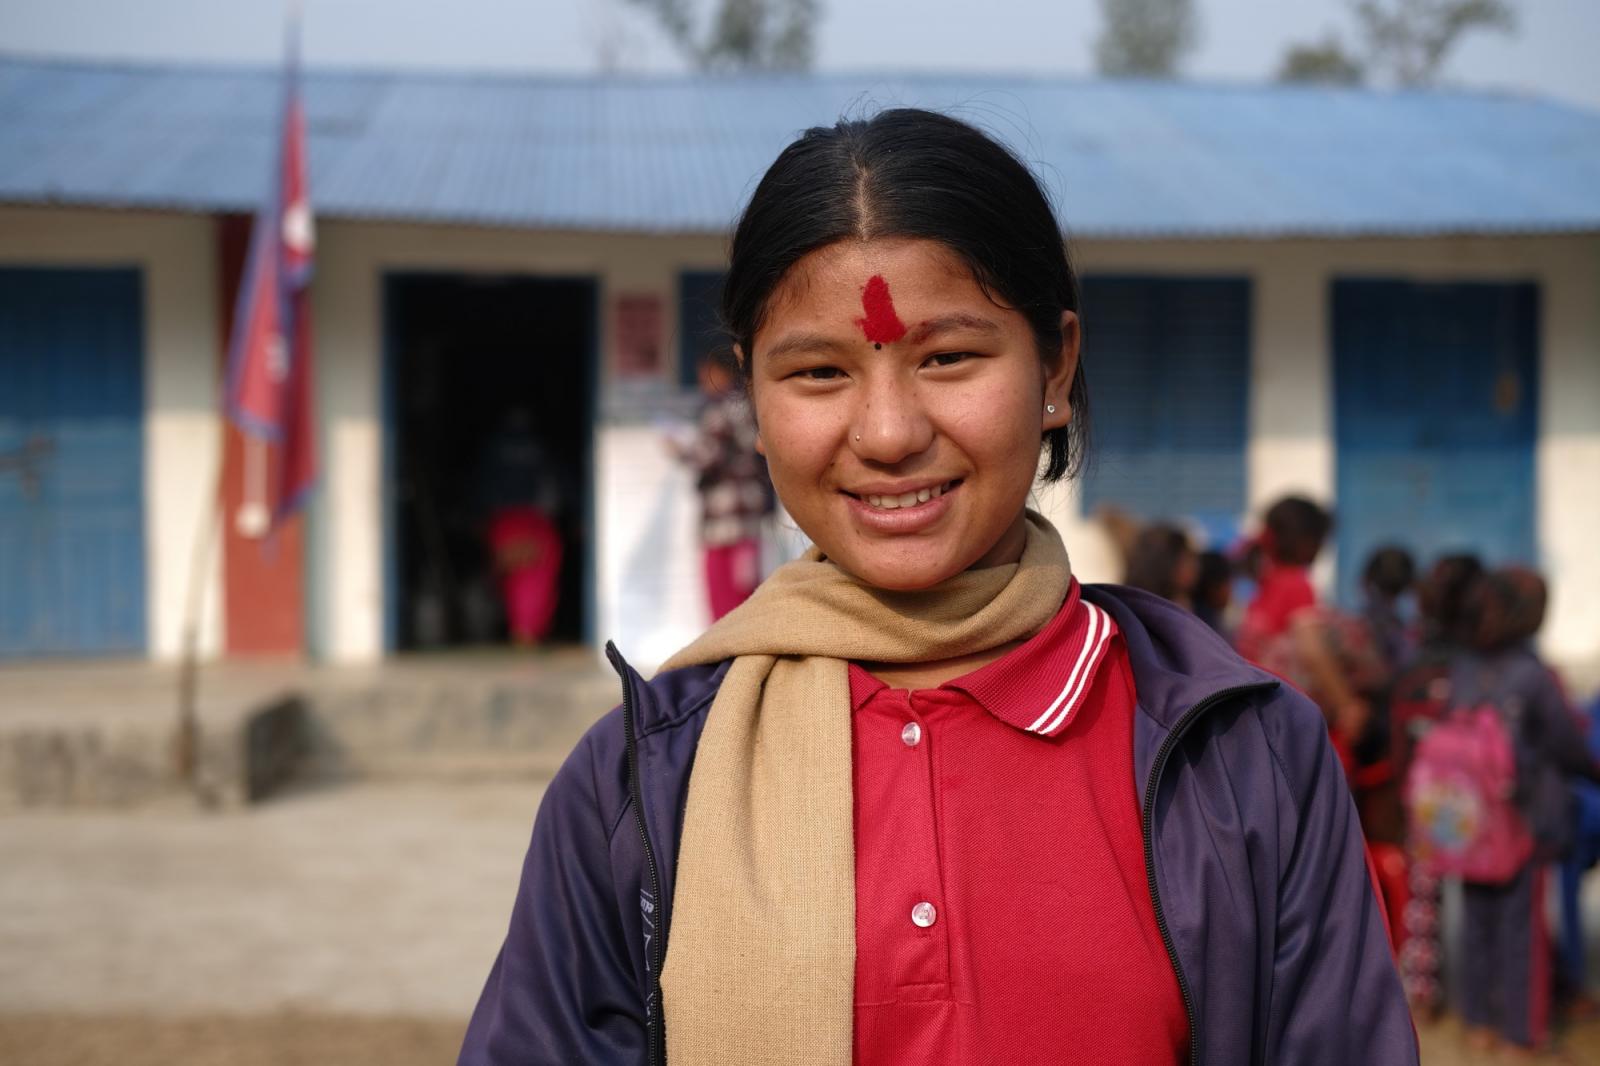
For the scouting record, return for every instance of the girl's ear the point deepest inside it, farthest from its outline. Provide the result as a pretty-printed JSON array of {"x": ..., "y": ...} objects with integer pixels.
[
  {"x": 1059, "y": 370},
  {"x": 738, "y": 358}
]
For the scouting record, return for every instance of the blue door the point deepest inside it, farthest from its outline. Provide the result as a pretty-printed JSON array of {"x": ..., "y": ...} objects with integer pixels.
[
  {"x": 71, "y": 463},
  {"x": 1168, "y": 367},
  {"x": 1436, "y": 397}
]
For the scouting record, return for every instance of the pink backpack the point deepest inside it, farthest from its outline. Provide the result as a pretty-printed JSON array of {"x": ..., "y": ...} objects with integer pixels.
[{"x": 1459, "y": 799}]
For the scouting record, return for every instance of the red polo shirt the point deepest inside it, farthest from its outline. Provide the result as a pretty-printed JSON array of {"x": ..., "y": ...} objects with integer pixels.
[{"x": 1002, "y": 909}]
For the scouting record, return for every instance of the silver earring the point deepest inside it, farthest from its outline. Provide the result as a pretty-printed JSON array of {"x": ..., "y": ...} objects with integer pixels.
[{"x": 1049, "y": 408}]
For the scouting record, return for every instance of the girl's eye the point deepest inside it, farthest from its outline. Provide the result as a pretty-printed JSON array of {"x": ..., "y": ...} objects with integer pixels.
[
  {"x": 819, "y": 373},
  {"x": 948, "y": 358}
]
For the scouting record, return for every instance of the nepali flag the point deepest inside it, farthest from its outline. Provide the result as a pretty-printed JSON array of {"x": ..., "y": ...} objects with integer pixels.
[{"x": 269, "y": 353}]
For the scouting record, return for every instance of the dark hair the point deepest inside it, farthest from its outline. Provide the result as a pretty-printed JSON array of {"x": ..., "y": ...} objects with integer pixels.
[
  {"x": 918, "y": 174},
  {"x": 1507, "y": 607},
  {"x": 1389, "y": 570},
  {"x": 1154, "y": 558},
  {"x": 1297, "y": 528},
  {"x": 1443, "y": 595},
  {"x": 1215, "y": 574}
]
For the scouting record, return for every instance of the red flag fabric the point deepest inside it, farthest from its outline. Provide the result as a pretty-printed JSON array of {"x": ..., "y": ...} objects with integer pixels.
[{"x": 270, "y": 350}]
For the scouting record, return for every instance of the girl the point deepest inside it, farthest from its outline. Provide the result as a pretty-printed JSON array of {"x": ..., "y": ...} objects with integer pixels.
[
  {"x": 1417, "y": 699},
  {"x": 1163, "y": 561},
  {"x": 924, "y": 798},
  {"x": 1505, "y": 985}
]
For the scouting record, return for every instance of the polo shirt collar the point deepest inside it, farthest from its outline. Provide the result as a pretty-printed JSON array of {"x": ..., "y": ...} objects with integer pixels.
[{"x": 1039, "y": 685}]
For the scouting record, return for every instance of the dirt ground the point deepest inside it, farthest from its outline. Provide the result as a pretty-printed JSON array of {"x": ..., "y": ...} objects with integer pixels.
[
  {"x": 294, "y": 1039},
  {"x": 279, "y": 1039},
  {"x": 343, "y": 926},
  {"x": 373, "y": 900}
]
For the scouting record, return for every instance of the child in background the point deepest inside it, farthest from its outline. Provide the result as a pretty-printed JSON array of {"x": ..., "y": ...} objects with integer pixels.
[
  {"x": 1327, "y": 655},
  {"x": 735, "y": 493},
  {"x": 1385, "y": 580},
  {"x": 1162, "y": 561},
  {"x": 1213, "y": 590},
  {"x": 1505, "y": 988},
  {"x": 1419, "y": 695},
  {"x": 1580, "y": 859},
  {"x": 1295, "y": 529},
  {"x": 527, "y": 559}
]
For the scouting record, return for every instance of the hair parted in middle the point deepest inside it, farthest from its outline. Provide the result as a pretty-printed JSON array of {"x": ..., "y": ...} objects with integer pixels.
[{"x": 910, "y": 173}]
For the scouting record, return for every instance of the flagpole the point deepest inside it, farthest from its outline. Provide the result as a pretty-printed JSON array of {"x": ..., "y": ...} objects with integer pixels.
[
  {"x": 186, "y": 744},
  {"x": 261, "y": 254}
]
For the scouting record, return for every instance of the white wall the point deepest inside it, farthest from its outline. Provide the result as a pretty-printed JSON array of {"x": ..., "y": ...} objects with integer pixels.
[
  {"x": 1569, "y": 461},
  {"x": 176, "y": 255},
  {"x": 650, "y": 588}
]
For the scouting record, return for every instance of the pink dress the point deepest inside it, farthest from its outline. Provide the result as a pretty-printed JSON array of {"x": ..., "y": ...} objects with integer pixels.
[{"x": 527, "y": 552}]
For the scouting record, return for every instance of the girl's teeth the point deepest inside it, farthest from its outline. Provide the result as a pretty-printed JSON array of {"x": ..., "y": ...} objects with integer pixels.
[{"x": 909, "y": 499}]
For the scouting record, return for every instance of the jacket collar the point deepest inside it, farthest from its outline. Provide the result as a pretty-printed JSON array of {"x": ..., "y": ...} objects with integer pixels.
[{"x": 1177, "y": 660}]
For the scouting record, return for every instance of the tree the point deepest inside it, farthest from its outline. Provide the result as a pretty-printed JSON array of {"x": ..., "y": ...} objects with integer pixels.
[
  {"x": 1407, "y": 40},
  {"x": 1326, "y": 62},
  {"x": 1145, "y": 38},
  {"x": 741, "y": 34},
  {"x": 1403, "y": 42}
]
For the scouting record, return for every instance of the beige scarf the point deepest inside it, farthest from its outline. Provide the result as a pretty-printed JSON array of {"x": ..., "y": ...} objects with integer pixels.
[{"x": 760, "y": 966}]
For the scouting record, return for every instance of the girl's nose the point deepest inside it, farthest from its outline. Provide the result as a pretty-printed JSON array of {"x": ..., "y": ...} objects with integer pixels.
[{"x": 891, "y": 424}]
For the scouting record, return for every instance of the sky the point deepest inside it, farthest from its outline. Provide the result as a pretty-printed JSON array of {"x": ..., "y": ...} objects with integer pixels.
[{"x": 1551, "y": 53}]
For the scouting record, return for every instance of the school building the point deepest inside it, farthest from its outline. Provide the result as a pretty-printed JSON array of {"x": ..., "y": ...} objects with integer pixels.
[{"x": 1387, "y": 301}]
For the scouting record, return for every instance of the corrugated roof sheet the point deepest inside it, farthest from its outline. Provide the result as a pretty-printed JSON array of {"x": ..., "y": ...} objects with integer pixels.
[{"x": 1123, "y": 159}]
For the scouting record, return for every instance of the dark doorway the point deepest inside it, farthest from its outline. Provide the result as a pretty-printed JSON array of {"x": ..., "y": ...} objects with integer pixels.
[{"x": 491, "y": 387}]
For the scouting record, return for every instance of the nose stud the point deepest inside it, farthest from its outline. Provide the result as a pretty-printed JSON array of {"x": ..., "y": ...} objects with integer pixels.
[{"x": 858, "y": 436}]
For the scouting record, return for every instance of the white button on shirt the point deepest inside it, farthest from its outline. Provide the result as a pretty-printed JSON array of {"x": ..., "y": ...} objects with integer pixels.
[
  {"x": 923, "y": 915},
  {"x": 911, "y": 734}
]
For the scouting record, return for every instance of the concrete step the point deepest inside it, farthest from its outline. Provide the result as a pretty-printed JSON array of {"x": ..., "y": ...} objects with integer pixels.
[
  {"x": 443, "y": 720},
  {"x": 104, "y": 735}
]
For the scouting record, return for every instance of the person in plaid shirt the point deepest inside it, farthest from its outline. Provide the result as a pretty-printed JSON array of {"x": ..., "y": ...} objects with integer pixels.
[{"x": 735, "y": 493}]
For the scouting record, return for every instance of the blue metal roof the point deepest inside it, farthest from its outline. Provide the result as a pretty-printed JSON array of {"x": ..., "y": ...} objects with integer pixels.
[{"x": 1123, "y": 159}]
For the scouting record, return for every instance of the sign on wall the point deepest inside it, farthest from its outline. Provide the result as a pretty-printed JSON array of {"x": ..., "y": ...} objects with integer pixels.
[{"x": 636, "y": 333}]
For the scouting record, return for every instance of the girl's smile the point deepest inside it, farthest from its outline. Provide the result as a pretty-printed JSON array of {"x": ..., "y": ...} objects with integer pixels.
[
  {"x": 901, "y": 409},
  {"x": 890, "y": 511}
]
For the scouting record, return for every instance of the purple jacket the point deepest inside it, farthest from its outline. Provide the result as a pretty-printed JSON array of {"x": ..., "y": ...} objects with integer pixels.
[{"x": 1255, "y": 859}]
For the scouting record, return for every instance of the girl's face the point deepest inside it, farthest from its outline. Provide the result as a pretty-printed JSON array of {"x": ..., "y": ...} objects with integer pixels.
[{"x": 901, "y": 410}]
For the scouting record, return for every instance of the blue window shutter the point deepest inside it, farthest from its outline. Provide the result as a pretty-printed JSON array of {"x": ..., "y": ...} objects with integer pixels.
[{"x": 1168, "y": 362}]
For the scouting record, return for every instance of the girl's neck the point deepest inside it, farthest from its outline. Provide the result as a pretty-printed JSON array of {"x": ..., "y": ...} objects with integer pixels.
[{"x": 1008, "y": 549}]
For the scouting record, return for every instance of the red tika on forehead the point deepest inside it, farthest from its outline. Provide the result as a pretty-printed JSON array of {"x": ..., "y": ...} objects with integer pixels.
[{"x": 881, "y": 325}]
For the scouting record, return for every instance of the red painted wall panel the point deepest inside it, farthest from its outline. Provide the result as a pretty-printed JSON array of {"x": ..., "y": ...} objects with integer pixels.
[{"x": 263, "y": 586}]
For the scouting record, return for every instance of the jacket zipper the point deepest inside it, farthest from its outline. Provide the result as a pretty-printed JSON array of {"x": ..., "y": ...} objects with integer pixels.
[
  {"x": 630, "y": 737},
  {"x": 1177, "y": 733}
]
